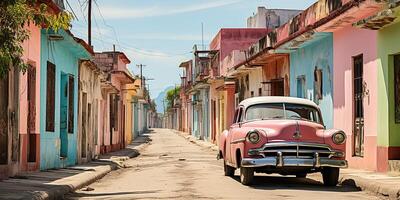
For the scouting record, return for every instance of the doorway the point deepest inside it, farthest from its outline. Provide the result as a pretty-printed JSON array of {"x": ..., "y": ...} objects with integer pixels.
[
  {"x": 397, "y": 88},
  {"x": 358, "y": 97},
  {"x": 278, "y": 87},
  {"x": 84, "y": 125},
  {"x": 4, "y": 120},
  {"x": 31, "y": 123}
]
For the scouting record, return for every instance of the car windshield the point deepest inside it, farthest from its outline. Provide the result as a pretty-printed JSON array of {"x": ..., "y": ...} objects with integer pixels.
[{"x": 283, "y": 111}]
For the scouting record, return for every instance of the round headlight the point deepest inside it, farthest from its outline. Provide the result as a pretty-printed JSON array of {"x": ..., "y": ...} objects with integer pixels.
[
  {"x": 339, "y": 138},
  {"x": 253, "y": 137}
]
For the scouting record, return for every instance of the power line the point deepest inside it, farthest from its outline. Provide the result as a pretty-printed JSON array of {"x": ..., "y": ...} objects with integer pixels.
[
  {"x": 138, "y": 50},
  {"x": 82, "y": 11},
  {"x": 106, "y": 24},
  {"x": 72, "y": 10}
]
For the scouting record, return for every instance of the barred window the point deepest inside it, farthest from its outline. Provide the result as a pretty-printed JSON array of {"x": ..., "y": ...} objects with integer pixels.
[{"x": 71, "y": 86}]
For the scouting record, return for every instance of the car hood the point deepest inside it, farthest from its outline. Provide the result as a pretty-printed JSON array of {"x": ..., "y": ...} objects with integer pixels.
[{"x": 290, "y": 130}]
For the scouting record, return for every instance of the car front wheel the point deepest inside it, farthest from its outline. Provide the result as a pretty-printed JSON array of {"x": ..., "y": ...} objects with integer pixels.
[
  {"x": 330, "y": 176},
  {"x": 246, "y": 175},
  {"x": 228, "y": 170}
]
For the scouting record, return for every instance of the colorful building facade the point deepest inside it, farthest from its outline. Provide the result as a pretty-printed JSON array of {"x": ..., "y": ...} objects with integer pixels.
[
  {"x": 60, "y": 56},
  {"x": 88, "y": 111}
]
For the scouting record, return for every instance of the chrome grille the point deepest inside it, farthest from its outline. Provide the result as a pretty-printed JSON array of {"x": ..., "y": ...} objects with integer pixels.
[{"x": 296, "y": 150}]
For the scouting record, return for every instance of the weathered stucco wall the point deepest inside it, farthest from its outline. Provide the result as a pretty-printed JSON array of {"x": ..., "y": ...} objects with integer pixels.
[
  {"x": 65, "y": 54},
  {"x": 90, "y": 86},
  {"x": 343, "y": 85},
  {"x": 32, "y": 57},
  {"x": 303, "y": 61}
]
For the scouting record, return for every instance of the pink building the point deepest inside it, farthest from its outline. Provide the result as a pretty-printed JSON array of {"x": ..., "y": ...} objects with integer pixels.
[
  {"x": 112, "y": 106},
  {"x": 222, "y": 90},
  {"x": 29, "y": 103},
  {"x": 356, "y": 62}
]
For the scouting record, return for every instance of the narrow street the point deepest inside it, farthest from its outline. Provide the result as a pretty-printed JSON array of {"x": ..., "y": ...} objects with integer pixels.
[{"x": 171, "y": 167}]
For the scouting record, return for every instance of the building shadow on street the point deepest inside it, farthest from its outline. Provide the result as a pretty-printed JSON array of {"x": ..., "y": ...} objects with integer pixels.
[
  {"x": 33, "y": 185},
  {"x": 77, "y": 195}
]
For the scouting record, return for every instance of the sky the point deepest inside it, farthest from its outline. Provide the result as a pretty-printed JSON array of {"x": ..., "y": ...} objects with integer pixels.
[{"x": 161, "y": 33}]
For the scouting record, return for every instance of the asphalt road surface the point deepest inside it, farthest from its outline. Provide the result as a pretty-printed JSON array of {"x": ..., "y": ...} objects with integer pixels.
[{"x": 171, "y": 167}]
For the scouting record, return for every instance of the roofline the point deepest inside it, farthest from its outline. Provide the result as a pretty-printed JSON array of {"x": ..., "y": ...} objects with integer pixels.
[
  {"x": 316, "y": 25},
  {"x": 118, "y": 52},
  {"x": 85, "y": 45}
]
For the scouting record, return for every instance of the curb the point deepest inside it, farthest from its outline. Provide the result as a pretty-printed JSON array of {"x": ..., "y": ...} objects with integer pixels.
[
  {"x": 79, "y": 181},
  {"x": 75, "y": 183},
  {"x": 374, "y": 187}
]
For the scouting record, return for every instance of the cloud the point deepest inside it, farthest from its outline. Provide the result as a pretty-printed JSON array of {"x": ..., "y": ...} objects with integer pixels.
[{"x": 112, "y": 12}]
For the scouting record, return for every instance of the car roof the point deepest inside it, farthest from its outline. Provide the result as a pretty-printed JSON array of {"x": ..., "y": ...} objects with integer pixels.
[{"x": 276, "y": 99}]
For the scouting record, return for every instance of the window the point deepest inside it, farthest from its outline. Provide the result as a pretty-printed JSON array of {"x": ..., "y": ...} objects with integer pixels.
[
  {"x": 318, "y": 84},
  {"x": 252, "y": 93},
  {"x": 50, "y": 96},
  {"x": 236, "y": 116},
  {"x": 301, "y": 86},
  {"x": 71, "y": 86},
  {"x": 247, "y": 82},
  {"x": 114, "y": 112},
  {"x": 397, "y": 87},
  {"x": 260, "y": 92},
  {"x": 268, "y": 111},
  {"x": 278, "y": 87}
]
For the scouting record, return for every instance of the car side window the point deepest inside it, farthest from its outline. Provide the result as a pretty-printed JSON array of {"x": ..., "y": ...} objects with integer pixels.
[
  {"x": 240, "y": 115},
  {"x": 236, "y": 116}
]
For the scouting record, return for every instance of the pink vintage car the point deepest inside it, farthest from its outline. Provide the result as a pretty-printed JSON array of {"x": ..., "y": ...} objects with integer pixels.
[{"x": 282, "y": 135}]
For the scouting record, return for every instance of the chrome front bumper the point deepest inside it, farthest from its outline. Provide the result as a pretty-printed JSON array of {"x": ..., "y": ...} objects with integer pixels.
[{"x": 281, "y": 161}]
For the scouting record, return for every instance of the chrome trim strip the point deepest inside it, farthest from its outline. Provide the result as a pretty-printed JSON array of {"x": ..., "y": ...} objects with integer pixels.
[
  {"x": 238, "y": 141},
  {"x": 315, "y": 162},
  {"x": 289, "y": 144}
]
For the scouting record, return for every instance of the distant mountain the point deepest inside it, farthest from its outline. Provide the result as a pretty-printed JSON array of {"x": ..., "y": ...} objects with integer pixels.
[{"x": 160, "y": 98}]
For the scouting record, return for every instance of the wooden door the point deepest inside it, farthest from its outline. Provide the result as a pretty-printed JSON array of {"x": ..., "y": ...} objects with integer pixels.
[
  {"x": 4, "y": 121},
  {"x": 31, "y": 123}
]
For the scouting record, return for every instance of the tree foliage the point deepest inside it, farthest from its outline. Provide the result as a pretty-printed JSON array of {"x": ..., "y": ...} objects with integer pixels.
[
  {"x": 172, "y": 94},
  {"x": 15, "y": 15}
]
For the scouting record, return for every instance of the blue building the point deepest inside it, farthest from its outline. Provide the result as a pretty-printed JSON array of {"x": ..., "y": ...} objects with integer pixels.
[
  {"x": 60, "y": 57},
  {"x": 311, "y": 68}
]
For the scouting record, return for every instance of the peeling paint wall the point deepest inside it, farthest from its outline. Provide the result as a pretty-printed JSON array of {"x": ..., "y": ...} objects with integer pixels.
[
  {"x": 89, "y": 83},
  {"x": 65, "y": 54},
  {"x": 318, "y": 54}
]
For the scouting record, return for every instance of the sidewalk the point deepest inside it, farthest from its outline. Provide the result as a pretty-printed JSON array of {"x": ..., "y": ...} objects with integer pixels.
[
  {"x": 377, "y": 183},
  {"x": 54, "y": 184}
]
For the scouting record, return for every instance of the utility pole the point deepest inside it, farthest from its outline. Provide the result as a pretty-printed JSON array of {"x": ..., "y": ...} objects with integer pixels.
[
  {"x": 202, "y": 36},
  {"x": 141, "y": 74},
  {"x": 90, "y": 22}
]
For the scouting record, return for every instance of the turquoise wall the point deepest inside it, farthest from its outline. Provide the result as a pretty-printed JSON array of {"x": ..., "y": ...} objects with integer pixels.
[
  {"x": 65, "y": 54},
  {"x": 317, "y": 53}
]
